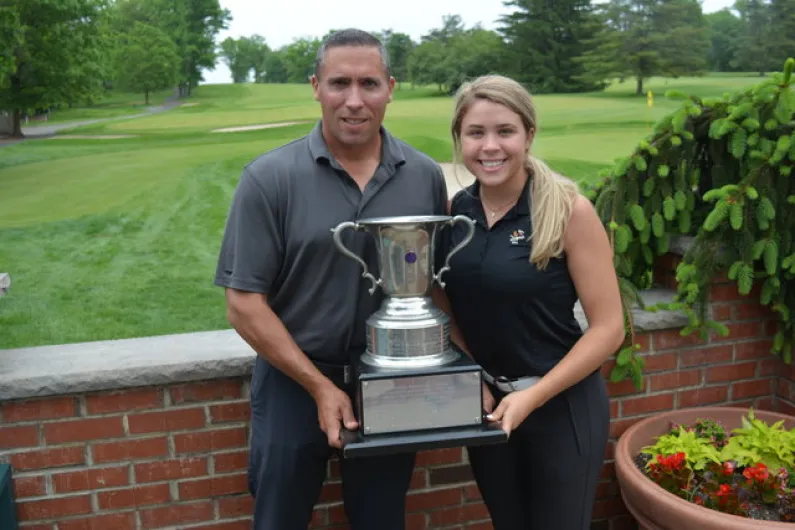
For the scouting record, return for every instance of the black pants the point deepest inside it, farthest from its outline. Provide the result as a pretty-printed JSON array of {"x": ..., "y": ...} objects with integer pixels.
[
  {"x": 545, "y": 477},
  {"x": 288, "y": 460}
]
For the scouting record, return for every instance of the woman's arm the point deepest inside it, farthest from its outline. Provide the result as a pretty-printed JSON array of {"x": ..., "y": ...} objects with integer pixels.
[{"x": 590, "y": 262}]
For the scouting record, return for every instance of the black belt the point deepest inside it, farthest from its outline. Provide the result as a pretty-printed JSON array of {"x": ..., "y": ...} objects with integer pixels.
[{"x": 336, "y": 372}]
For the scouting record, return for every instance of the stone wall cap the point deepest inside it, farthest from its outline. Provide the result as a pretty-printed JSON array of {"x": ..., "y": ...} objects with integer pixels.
[{"x": 162, "y": 360}]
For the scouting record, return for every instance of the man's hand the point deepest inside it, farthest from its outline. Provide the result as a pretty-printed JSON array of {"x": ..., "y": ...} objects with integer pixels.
[
  {"x": 488, "y": 399},
  {"x": 514, "y": 409},
  {"x": 333, "y": 410}
]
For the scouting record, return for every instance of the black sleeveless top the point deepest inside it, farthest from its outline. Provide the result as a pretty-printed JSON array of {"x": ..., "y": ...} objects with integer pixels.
[{"x": 517, "y": 320}]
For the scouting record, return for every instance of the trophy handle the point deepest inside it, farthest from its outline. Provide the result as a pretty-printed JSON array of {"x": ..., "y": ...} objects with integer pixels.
[
  {"x": 337, "y": 231},
  {"x": 471, "y": 224}
]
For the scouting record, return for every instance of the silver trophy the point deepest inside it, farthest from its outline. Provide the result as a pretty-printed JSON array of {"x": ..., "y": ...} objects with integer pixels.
[{"x": 414, "y": 389}]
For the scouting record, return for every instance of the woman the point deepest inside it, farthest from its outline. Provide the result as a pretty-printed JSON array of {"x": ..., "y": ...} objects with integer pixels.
[{"x": 538, "y": 247}]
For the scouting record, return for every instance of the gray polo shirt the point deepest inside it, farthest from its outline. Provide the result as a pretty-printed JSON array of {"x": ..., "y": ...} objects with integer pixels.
[{"x": 278, "y": 237}]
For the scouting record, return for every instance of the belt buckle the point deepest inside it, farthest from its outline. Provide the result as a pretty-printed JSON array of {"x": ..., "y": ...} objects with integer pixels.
[{"x": 504, "y": 380}]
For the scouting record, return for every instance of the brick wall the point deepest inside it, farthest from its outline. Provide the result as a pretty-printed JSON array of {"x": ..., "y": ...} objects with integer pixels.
[{"x": 176, "y": 456}]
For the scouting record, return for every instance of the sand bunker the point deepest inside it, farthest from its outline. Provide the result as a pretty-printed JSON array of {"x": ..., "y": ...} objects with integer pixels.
[
  {"x": 93, "y": 136},
  {"x": 259, "y": 127}
]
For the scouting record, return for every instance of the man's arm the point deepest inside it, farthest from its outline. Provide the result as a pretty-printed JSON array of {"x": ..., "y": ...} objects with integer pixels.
[
  {"x": 252, "y": 317},
  {"x": 251, "y": 257}
]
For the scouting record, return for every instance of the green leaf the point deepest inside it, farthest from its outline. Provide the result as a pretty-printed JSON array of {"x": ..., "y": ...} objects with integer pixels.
[
  {"x": 759, "y": 248},
  {"x": 669, "y": 208},
  {"x": 745, "y": 279},
  {"x": 676, "y": 140},
  {"x": 766, "y": 207},
  {"x": 637, "y": 216},
  {"x": 657, "y": 224},
  {"x": 737, "y": 143},
  {"x": 663, "y": 170},
  {"x": 680, "y": 200},
  {"x": 648, "y": 187},
  {"x": 623, "y": 237},
  {"x": 736, "y": 215},
  {"x": 716, "y": 216},
  {"x": 684, "y": 222},
  {"x": 751, "y": 193},
  {"x": 771, "y": 257},
  {"x": 640, "y": 163},
  {"x": 750, "y": 124}
]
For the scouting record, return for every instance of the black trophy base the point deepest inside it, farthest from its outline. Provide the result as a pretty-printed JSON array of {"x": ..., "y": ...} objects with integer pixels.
[
  {"x": 357, "y": 445},
  {"x": 407, "y": 410}
]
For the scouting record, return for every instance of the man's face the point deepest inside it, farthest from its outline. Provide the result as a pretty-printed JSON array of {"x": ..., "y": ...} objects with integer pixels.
[{"x": 353, "y": 90}]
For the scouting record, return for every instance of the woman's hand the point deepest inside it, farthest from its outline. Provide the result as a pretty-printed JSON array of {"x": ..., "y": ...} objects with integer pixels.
[
  {"x": 514, "y": 409},
  {"x": 488, "y": 399}
]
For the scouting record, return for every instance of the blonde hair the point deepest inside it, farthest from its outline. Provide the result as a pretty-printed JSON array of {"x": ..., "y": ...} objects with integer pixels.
[{"x": 551, "y": 195}]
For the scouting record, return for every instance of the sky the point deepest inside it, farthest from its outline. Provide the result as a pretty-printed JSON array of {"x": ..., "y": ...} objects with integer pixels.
[{"x": 282, "y": 22}]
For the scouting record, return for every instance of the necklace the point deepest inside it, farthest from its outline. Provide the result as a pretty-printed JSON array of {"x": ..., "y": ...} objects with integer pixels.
[{"x": 494, "y": 211}]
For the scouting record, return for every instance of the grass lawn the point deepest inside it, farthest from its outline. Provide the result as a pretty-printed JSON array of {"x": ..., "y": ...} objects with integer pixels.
[{"x": 118, "y": 238}]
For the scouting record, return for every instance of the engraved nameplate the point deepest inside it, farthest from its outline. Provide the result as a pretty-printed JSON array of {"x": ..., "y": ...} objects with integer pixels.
[{"x": 423, "y": 402}]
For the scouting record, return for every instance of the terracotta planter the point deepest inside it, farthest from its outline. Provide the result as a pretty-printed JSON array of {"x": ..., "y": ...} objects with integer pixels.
[{"x": 656, "y": 509}]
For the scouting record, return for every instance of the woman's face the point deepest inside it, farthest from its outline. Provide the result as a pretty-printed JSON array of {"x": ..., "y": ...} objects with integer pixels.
[{"x": 494, "y": 143}]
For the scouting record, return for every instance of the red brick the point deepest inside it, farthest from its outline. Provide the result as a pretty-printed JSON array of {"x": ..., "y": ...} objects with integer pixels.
[
  {"x": 729, "y": 292},
  {"x": 742, "y": 330},
  {"x": 91, "y": 479},
  {"x": 643, "y": 340},
  {"x": 710, "y": 355},
  {"x": 39, "y": 409},
  {"x": 45, "y": 526},
  {"x": 207, "y": 391},
  {"x": 419, "y": 479},
  {"x": 768, "y": 367},
  {"x": 757, "y": 349},
  {"x": 116, "y": 521},
  {"x": 206, "y": 441},
  {"x": 416, "y": 521},
  {"x": 731, "y": 372},
  {"x": 659, "y": 362},
  {"x": 752, "y": 310},
  {"x": 213, "y": 487},
  {"x": 623, "y": 388},
  {"x": 170, "y": 469},
  {"x": 168, "y": 421},
  {"x": 703, "y": 396},
  {"x": 644, "y": 405},
  {"x": 613, "y": 408},
  {"x": 471, "y": 493},
  {"x": 433, "y": 499},
  {"x": 176, "y": 514},
  {"x": 230, "y": 412},
  {"x": 228, "y": 525},
  {"x": 54, "y": 508},
  {"x": 83, "y": 430},
  {"x": 674, "y": 340},
  {"x": 20, "y": 436},
  {"x": 48, "y": 458},
  {"x": 134, "y": 497},
  {"x": 130, "y": 450},
  {"x": 138, "y": 399},
  {"x": 722, "y": 312},
  {"x": 227, "y": 462},
  {"x": 320, "y": 517},
  {"x": 235, "y": 506},
  {"x": 747, "y": 389},
  {"x": 483, "y": 525},
  {"x": 330, "y": 492},
  {"x": 30, "y": 486},
  {"x": 678, "y": 379},
  {"x": 436, "y": 457},
  {"x": 617, "y": 427},
  {"x": 459, "y": 514}
]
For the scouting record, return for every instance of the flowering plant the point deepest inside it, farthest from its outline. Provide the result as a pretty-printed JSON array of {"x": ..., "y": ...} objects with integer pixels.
[{"x": 749, "y": 471}]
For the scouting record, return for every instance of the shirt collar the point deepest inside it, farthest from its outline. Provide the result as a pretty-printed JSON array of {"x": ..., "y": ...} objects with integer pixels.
[
  {"x": 392, "y": 154},
  {"x": 473, "y": 208}
]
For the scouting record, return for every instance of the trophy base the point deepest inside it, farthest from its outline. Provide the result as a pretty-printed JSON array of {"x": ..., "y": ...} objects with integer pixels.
[
  {"x": 412, "y": 409},
  {"x": 357, "y": 445}
]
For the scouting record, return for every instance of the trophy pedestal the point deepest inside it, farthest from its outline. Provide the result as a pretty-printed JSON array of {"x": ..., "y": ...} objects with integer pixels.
[{"x": 414, "y": 409}]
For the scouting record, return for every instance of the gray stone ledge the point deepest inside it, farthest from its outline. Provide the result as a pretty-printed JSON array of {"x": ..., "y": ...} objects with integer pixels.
[{"x": 148, "y": 361}]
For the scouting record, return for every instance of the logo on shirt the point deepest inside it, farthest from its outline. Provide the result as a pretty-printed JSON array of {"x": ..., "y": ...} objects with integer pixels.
[{"x": 517, "y": 236}]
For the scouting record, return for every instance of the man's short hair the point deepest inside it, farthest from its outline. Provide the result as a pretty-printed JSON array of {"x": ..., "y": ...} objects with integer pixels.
[{"x": 351, "y": 37}]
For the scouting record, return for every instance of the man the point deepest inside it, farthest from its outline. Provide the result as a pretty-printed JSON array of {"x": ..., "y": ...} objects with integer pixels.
[{"x": 302, "y": 305}]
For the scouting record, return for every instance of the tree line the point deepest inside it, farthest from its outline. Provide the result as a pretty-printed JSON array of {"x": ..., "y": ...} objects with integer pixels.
[
  {"x": 70, "y": 52},
  {"x": 561, "y": 46}
]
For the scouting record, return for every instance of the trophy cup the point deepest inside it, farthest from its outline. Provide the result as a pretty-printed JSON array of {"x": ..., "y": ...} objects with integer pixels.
[{"x": 415, "y": 390}]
